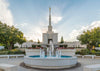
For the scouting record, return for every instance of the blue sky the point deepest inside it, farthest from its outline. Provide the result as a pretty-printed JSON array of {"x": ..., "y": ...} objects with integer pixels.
[{"x": 69, "y": 17}]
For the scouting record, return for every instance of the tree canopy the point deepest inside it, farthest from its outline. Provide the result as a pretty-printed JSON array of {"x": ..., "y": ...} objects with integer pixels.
[
  {"x": 9, "y": 35},
  {"x": 62, "y": 40},
  {"x": 90, "y": 37}
]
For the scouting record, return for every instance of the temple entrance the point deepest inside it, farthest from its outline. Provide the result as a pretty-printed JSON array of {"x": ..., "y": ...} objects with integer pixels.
[{"x": 49, "y": 40}]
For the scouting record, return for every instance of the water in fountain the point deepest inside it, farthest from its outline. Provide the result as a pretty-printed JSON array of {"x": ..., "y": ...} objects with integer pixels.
[
  {"x": 42, "y": 53},
  {"x": 50, "y": 51},
  {"x": 58, "y": 53}
]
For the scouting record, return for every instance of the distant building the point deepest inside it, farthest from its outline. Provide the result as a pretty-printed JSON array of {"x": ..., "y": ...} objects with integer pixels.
[
  {"x": 75, "y": 44},
  {"x": 25, "y": 44},
  {"x": 69, "y": 44}
]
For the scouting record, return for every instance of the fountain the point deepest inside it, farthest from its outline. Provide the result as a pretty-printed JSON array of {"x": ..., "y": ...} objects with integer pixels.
[
  {"x": 51, "y": 60},
  {"x": 50, "y": 52}
]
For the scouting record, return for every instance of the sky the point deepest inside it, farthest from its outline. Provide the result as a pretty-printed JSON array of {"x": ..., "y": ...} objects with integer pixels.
[{"x": 69, "y": 17}]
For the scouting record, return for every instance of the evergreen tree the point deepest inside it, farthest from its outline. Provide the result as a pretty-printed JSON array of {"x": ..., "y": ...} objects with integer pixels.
[
  {"x": 38, "y": 41},
  {"x": 62, "y": 40}
]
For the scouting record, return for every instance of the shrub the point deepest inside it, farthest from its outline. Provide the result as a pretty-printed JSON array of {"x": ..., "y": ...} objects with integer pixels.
[
  {"x": 77, "y": 52},
  {"x": 38, "y": 45},
  {"x": 14, "y": 51},
  {"x": 65, "y": 46},
  {"x": 15, "y": 47},
  {"x": 93, "y": 51},
  {"x": 97, "y": 53},
  {"x": 88, "y": 52},
  {"x": 34, "y": 46},
  {"x": 85, "y": 52}
]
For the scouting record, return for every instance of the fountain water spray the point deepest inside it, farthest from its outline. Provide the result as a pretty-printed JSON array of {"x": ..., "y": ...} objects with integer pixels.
[
  {"x": 42, "y": 53},
  {"x": 50, "y": 51}
]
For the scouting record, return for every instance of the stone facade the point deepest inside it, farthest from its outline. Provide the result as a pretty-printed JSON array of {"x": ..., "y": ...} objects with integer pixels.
[{"x": 47, "y": 37}]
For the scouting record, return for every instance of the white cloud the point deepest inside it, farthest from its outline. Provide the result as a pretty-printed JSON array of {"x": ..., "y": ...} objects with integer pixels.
[
  {"x": 21, "y": 25},
  {"x": 34, "y": 34},
  {"x": 73, "y": 35},
  {"x": 56, "y": 19},
  {"x": 5, "y": 13}
]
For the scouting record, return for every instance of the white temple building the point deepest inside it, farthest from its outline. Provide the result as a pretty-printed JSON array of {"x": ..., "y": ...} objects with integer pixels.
[{"x": 50, "y": 35}]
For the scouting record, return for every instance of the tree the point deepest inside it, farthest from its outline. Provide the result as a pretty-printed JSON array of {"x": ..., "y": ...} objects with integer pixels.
[
  {"x": 65, "y": 46},
  {"x": 4, "y": 32},
  {"x": 22, "y": 41},
  {"x": 30, "y": 40},
  {"x": 9, "y": 35},
  {"x": 62, "y": 40},
  {"x": 38, "y": 45},
  {"x": 90, "y": 37},
  {"x": 34, "y": 46},
  {"x": 60, "y": 45},
  {"x": 38, "y": 41}
]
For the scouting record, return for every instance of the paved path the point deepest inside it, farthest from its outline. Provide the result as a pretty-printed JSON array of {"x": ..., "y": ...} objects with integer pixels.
[{"x": 17, "y": 61}]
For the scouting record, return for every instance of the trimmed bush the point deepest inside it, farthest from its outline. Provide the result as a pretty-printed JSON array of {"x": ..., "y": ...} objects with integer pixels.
[
  {"x": 88, "y": 52},
  {"x": 14, "y": 51}
]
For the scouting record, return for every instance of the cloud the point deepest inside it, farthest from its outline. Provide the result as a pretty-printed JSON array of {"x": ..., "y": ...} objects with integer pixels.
[
  {"x": 21, "y": 25},
  {"x": 34, "y": 34},
  {"x": 73, "y": 35},
  {"x": 5, "y": 13},
  {"x": 56, "y": 19}
]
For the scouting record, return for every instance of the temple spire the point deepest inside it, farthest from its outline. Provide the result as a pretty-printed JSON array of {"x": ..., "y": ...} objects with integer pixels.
[
  {"x": 50, "y": 26},
  {"x": 49, "y": 16}
]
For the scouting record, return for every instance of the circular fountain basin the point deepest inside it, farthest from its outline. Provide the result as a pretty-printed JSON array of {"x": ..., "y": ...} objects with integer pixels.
[{"x": 50, "y": 62}]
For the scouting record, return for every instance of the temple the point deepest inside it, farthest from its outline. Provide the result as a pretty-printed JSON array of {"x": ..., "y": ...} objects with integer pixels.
[{"x": 50, "y": 35}]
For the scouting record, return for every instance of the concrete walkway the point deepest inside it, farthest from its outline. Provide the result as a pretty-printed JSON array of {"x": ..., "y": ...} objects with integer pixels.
[{"x": 85, "y": 61}]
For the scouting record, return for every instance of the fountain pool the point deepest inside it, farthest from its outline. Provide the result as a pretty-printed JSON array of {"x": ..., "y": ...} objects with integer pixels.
[
  {"x": 38, "y": 56},
  {"x": 51, "y": 60}
]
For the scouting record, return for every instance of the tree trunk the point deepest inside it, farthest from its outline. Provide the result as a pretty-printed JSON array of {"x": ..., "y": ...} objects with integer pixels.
[
  {"x": 21, "y": 45},
  {"x": 11, "y": 45}
]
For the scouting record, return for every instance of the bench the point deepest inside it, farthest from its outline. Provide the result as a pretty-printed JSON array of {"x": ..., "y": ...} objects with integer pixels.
[
  {"x": 95, "y": 67},
  {"x": 78, "y": 55},
  {"x": 8, "y": 67},
  {"x": 97, "y": 57},
  {"x": 4, "y": 56},
  {"x": 92, "y": 56},
  {"x": 8, "y": 56}
]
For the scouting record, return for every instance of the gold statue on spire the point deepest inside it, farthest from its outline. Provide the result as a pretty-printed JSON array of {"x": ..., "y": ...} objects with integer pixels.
[{"x": 49, "y": 10}]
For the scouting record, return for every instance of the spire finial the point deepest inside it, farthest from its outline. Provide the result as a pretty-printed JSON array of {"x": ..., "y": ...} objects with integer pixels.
[{"x": 49, "y": 9}]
